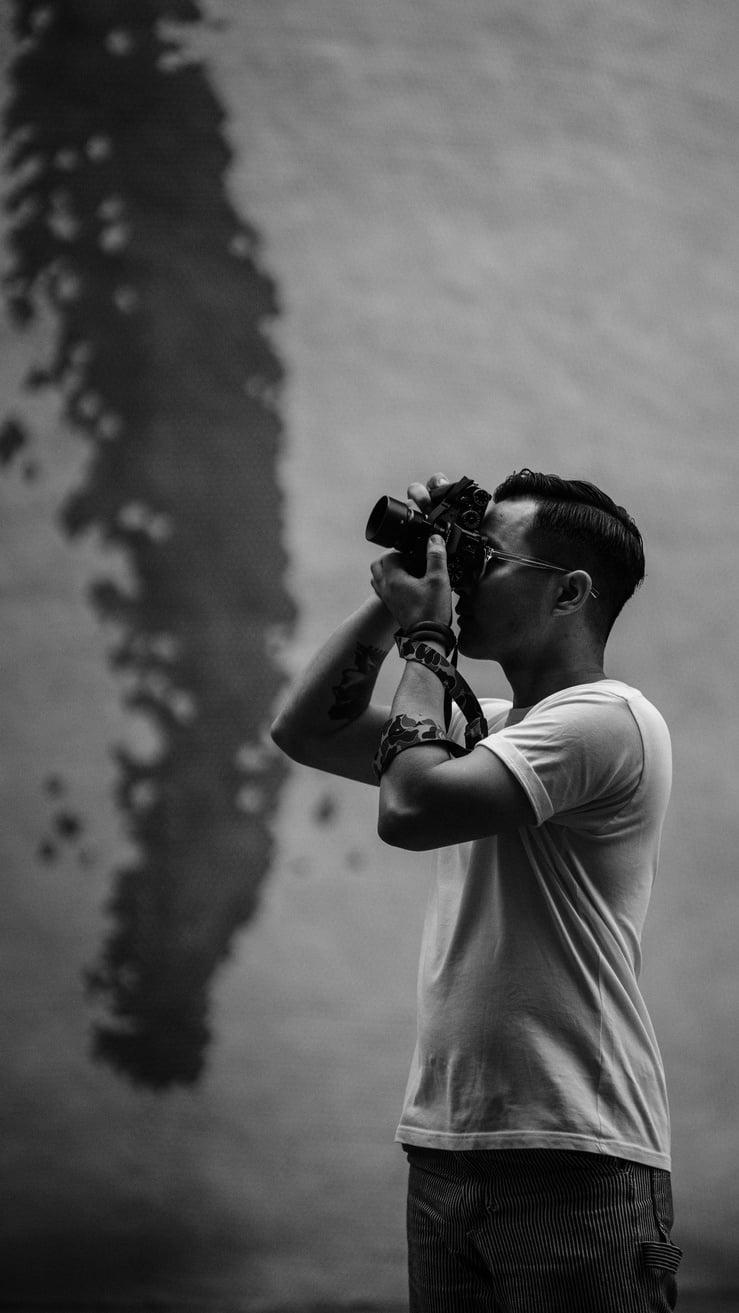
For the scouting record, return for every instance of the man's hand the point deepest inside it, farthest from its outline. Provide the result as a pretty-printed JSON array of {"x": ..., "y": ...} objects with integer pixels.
[
  {"x": 408, "y": 598},
  {"x": 425, "y": 495}
]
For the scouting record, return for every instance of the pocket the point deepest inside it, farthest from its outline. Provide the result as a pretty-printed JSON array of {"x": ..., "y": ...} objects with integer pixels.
[
  {"x": 662, "y": 1256},
  {"x": 663, "y": 1259}
]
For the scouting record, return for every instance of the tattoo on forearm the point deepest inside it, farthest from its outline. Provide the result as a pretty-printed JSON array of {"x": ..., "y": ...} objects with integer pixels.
[{"x": 353, "y": 693}]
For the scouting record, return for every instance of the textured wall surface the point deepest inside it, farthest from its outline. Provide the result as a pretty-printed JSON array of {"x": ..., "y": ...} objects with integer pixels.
[{"x": 265, "y": 262}]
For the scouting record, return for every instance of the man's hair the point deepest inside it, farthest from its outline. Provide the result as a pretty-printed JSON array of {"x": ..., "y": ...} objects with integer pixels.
[{"x": 578, "y": 526}]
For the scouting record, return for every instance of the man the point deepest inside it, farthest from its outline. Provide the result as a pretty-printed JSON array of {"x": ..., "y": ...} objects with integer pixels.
[{"x": 535, "y": 1120}]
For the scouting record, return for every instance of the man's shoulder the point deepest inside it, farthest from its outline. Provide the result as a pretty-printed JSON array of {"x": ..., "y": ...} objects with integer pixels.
[
  {"x": 597, "y": 710},
  {"x": 607, "y": 708},
  {"x": 600, "y": 692}
]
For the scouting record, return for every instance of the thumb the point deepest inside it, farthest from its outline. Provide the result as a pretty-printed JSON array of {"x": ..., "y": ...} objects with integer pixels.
[
  {"x": 436, "y": 553},
  {"x": 438, "y": 595}
]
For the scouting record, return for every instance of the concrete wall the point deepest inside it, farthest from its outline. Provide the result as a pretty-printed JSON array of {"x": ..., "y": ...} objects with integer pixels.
[{"x": 498, "y": 236}]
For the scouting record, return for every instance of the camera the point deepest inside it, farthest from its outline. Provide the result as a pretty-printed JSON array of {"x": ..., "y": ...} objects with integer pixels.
[{"x": 457, "y": 518}]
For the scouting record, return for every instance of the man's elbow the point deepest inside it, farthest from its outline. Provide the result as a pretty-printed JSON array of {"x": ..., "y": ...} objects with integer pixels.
[
  {"x": 286, "y": 740},
  {"x": 297, "y": 743},
  {"x": 401, "y": 828}
]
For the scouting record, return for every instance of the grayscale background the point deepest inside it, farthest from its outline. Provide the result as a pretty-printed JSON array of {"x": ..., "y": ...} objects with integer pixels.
[{"x": 264, "y": 262}]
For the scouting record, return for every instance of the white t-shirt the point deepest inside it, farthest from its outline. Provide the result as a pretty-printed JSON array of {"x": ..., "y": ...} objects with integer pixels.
[{"x": 532, "y": 1032}]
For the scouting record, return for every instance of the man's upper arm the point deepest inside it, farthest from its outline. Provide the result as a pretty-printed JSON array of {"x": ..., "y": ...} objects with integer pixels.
[
  {"x": 425, "y": 804},
  {"x": 347, "y": 750},
  {"x": 575, "y": 756}
]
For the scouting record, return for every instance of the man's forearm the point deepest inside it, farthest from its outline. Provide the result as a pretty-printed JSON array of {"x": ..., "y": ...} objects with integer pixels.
[
  {"x": 336, "y": 689},
  {"x": 420, "y": 696},
  {"x": 420, "y": 692}
]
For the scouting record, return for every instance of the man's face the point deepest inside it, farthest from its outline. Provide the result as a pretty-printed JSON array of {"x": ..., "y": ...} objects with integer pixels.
[{"x": 504, "y": 613}]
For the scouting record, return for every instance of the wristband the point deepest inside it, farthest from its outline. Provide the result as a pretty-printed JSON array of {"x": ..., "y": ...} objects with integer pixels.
[
  {"x": 456, "y": 687},
  {"x": 430, "y": 631},
  {"x": 403, "y": 732}
]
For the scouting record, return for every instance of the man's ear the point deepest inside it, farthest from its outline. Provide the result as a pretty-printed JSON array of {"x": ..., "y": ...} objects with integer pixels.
[{"x": 574, "y": 590}]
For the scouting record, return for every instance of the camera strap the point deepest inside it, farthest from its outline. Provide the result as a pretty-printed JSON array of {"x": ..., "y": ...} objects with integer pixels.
[
  {"x": 410, "y": 732},
  {"x": 456, "y": 687}
]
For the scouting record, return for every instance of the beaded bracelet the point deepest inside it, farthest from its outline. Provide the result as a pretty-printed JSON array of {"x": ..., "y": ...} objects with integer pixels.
[{"x": 405, "y": 731}]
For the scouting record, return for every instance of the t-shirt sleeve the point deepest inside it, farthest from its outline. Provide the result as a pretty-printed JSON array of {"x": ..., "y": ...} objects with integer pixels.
[{"x": 577, "y": 758}]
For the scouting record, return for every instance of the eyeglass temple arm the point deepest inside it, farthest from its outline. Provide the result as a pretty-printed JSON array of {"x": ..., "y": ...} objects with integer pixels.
[{"x": 533, "y": 563}]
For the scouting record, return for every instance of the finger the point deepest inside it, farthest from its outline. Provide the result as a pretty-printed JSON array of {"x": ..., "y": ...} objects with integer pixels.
[
  {"x": 437, "y": 483},
  {"x": 436, "y": 555},
  {"x": 424, "y": 495},
  {"x": 439, "y": 597},
  {"x": 418, "y": 495},
  {"x": 384, "y": 568}
]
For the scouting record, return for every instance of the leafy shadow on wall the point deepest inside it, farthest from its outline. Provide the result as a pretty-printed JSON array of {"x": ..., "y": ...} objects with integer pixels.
[{"x": 119, "y": 218}]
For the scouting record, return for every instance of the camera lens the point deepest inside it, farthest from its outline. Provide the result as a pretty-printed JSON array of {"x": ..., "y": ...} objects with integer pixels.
[{"x": 393, "y": 523}]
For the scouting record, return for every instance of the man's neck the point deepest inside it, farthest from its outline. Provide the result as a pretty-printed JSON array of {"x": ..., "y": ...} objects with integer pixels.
[{"x": 531, "y": 686}]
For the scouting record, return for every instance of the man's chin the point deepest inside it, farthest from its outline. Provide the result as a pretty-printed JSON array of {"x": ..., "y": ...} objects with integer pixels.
[
  {"x": 466, "y": 642},
  {"x": 472, "y": 643}
]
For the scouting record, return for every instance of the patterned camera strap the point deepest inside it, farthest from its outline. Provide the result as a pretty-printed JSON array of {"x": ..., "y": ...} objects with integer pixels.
[{"x": 457, "y": 688}]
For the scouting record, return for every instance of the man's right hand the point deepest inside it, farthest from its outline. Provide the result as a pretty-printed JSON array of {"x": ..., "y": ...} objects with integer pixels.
[{"x": 425, "y": 495}]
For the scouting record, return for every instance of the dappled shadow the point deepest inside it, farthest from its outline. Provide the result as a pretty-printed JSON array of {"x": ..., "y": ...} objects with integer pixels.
[{"x": 120, "y": 220}]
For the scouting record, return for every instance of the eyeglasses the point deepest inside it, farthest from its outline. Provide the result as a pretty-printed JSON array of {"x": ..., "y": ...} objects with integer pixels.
[{"x": 493, "y": 554}]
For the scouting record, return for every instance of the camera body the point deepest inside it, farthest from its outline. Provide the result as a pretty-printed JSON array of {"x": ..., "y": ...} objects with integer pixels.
[{"x": 457, "y": 518}]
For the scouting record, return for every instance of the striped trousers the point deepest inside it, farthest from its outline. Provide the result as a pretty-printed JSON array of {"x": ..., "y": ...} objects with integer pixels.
[{"x": 538, "y": 1231}]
